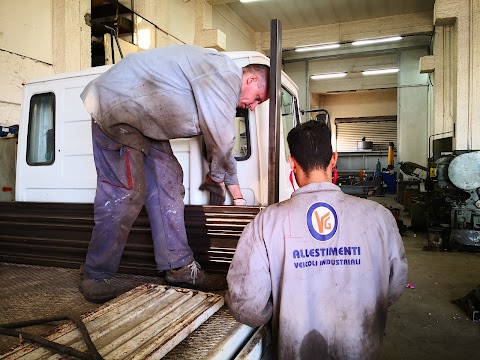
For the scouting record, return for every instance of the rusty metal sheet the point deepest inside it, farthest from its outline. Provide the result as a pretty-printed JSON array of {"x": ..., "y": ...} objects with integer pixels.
[
  {"x": 144, "y": 323},
  {"x": 58, "y": 235}
]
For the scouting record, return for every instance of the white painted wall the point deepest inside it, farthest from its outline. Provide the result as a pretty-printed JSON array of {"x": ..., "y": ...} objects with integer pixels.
[
  {"x": 24, "y": 25},
  {"x": 298, "y": 72},
  {"x": 412, "y": 108},
  {"x": 25, "y": 51},
  {"x": 14, "y": 71},
  {"x": 175, "y": 20},
  {"x": 457, "y": 71},
  {"x": 39, "y": 38},
  {"x": 239, "y": 35}
]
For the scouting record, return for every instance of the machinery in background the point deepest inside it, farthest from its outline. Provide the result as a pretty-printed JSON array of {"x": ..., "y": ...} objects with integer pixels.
[
  {"x": 322, "y": 117},
  {"x": 453, "y": 186},
  {"x": 411, "y": 193}
]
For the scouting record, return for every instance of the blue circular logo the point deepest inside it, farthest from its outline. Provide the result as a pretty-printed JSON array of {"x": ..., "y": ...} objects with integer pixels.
[{"x": 322, "y": 221}]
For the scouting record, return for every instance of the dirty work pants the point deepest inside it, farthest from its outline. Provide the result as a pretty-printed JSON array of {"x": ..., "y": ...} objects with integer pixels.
[{"x": 127, "y": 179}]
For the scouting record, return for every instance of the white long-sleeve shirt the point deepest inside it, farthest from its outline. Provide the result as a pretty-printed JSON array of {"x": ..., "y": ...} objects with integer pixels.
[
  {"x": 168, "y": 93},
  {"x": 324, "y": 267}
]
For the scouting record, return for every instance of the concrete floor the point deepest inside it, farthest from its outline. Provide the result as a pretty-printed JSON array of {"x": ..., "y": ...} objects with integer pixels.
[{"x": 423, "y": 324}]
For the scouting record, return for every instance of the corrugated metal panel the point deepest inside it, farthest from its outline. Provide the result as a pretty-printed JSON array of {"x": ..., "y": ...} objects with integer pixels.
[
  {"x": 144, "y": 323},
  {"x": 380, "y": 131},
  {"x": 58, "y": 235}
]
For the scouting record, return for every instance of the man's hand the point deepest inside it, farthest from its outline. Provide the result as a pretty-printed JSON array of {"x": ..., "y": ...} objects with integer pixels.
[
  {"x": 217, "y": 190},
  {"x": 240, "y": 202}
]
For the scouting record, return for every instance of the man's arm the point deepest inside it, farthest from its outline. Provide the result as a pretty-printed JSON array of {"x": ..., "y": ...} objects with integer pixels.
[
  {"x": 249, "y": 284},
  {"x": 235, "y": 191},
  {"x": 216, "y": 96}
]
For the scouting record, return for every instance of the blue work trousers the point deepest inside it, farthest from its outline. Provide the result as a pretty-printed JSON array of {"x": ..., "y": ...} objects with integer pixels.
[{"x": 127, "y": 179}]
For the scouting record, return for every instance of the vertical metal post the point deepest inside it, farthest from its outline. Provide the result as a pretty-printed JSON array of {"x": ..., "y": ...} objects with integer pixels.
[
  {"x": 275, "y": 93},
  {"x": 307, "y": 89}
]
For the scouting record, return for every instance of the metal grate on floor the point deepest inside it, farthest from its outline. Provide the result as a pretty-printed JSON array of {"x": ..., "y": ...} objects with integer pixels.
[
  {"x": 146, "y": 322},
  {"x": 31, "y": 292}
]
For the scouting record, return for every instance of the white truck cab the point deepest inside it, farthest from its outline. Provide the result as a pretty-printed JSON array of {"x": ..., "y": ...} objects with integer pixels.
[{"x": 55, "y": 156}]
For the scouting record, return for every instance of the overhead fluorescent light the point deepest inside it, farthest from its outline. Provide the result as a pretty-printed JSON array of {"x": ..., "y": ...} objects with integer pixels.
[
  {"x": 245, "y": 1},
  {"x": 376, "y": 41},
  {"x": 380, "y": 71},
  {"x": 317, "y": 47},
  {"x": 328, "y": 76}
]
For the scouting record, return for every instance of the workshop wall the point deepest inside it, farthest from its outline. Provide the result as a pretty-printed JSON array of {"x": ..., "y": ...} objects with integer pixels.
[
  {"x": 53, "y": 37},
  {"x": 413, "y": 108},
  {"x": 166, "y": 15},
  {"x": 25, "y": 51},
  {"x": 239, "y": 35},
  {"x": 455, "y": 68}
]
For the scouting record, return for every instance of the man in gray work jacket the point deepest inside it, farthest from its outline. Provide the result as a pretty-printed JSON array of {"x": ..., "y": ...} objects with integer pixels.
[
  {"x": 323, "y": 266},
  {"x": 137, "y": 106}
]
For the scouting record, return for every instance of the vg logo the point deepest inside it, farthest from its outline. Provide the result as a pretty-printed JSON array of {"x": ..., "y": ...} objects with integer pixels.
[{"x": 322, "y": 221}]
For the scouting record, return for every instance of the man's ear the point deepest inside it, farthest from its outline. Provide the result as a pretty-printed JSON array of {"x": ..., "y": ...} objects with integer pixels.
[
  {"x": 293, "y": 163},
  {"x": 251, "y": 79},
  {"x": 334, "y": 159}
]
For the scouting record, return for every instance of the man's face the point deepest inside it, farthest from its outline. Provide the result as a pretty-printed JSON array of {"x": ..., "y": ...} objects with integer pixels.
[{"x": 251, "y": 94}]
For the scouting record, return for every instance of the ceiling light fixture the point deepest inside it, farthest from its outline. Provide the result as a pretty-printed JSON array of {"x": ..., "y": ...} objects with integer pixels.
[
  {"x": 246, "y": 1},
  {"x": 376, "y": 41},
  {"x": 380, "y": 71},
  {"x": 317, "y": 47},
  {"x": 328, "y": 76}
]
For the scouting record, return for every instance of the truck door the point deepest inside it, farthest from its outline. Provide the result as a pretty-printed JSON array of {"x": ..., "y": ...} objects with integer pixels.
[{"x": 55, "y": 156}]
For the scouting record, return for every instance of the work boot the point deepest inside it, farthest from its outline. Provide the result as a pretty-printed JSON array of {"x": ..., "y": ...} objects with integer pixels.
[
  {"x": 96, "y": 291},
  {"x": 193, "y": 277}
]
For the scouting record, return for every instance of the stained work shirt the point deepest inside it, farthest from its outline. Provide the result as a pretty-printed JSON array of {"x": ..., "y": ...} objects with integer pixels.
[
  {"x": 324, "y": 266},
  {"x": 168, "y": 93}
]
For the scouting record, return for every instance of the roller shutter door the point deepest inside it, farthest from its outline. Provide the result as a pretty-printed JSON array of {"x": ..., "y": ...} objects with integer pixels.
[{"x": 380, "y": 130}]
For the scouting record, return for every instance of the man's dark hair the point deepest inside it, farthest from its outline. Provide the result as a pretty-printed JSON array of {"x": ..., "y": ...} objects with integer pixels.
[
  {"x": 263, "y": 73},
  {"x": 310, "y": 145}
]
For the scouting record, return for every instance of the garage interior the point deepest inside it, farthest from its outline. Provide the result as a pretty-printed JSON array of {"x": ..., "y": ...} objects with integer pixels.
[{"x": 397, "y": 131}]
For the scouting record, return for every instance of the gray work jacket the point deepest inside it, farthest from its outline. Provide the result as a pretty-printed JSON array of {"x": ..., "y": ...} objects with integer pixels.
[
  {"x": 324, "y": 267},
  {"x": 168, "y": 93}
]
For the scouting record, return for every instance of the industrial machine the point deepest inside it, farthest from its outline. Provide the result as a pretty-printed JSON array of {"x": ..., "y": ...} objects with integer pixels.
[{"x": 455, "y": 191}]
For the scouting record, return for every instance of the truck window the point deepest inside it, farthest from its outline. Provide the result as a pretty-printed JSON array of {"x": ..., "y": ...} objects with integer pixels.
[
  {"x": 289, "y": 116},
  {"x": 41, "y": 136},
  {"x": 241, "y": 144}
]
